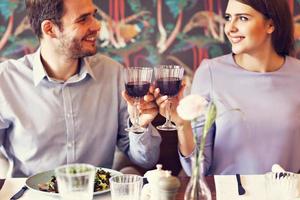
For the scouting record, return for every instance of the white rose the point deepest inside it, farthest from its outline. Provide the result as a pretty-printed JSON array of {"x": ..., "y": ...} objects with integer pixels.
[{"x": 191, "y": 107}]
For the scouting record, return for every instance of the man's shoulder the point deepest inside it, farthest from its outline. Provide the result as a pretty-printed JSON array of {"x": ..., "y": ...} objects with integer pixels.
[
  {"x": 101, "y": 60},
  {"x": 10, "y": 65}
]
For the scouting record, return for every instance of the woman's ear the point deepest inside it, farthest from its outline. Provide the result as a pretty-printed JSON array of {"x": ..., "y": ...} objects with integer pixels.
[
  {"x": 49, "y": 28},
  {"x": 271, "y": 27}
]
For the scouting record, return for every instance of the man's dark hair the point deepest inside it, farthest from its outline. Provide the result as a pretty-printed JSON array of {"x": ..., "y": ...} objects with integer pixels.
[
  {"x": 279, "y": 12},
  {"x": 40, "y": 10}
]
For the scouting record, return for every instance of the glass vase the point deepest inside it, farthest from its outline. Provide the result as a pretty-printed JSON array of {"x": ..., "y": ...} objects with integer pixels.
[{"x": 197, "y": 188}]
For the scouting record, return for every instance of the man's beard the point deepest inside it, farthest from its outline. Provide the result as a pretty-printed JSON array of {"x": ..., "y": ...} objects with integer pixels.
[{"x": 74, "y": 48}]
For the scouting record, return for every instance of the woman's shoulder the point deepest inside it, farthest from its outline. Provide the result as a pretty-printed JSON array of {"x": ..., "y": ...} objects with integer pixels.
[
  {"x": 217, "y": 63},
  {"x": 292, "y": 63},
  {"x": 293, "y": 60}
]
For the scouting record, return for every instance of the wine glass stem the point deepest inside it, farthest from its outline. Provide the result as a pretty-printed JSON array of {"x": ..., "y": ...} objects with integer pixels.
[
  {"x": 136, "y": 113},
  {"x": 168, "y": 113}
]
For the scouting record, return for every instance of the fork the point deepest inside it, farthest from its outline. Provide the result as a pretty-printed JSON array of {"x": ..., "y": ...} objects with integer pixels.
[
  {"x": 279, "y": 175},
  {"x": 1, "y": 183}
]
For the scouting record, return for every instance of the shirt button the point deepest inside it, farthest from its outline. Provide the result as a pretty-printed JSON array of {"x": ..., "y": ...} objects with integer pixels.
[{"x": 70, "y": 144}]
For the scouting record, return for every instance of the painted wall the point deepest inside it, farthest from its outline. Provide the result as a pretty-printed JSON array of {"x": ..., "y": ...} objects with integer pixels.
[{"x": 141, "y": 32}]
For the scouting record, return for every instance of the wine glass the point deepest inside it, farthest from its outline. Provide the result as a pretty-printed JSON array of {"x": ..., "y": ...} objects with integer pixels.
[
  {"x": 137, "y": 83},
  {"x": 168, "y": 80}
]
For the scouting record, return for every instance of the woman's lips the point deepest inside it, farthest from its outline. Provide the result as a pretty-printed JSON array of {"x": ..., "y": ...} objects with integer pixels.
[{"x": 236, "y": 39}]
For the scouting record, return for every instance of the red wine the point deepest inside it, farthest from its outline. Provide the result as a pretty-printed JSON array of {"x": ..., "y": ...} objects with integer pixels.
[
  {"x": 137, "y": 89},
  {"x": 168, "y": 86}
]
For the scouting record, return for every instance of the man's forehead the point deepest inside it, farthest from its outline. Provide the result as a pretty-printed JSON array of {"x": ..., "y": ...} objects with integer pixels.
[{"x": 80, "y": 6}]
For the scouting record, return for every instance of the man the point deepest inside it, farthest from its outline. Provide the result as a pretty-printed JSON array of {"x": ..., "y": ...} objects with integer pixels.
[{"x": 57, "y": 107}]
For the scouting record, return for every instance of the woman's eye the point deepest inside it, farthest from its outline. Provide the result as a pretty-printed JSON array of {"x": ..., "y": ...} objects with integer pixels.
[
  {"x": 242, "y": 18},
  {"x": 227, "y": 18}
]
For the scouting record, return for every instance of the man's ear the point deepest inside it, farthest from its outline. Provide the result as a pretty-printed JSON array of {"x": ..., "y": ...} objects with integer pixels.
[{"x": 49, "y": 28}]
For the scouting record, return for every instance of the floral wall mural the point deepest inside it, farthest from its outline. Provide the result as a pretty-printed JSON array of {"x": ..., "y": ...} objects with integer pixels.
[{"x": 141, "y": 32}]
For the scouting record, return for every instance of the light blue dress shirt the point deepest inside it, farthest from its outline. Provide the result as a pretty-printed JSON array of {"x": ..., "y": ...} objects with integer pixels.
[
  {"x": 45, "y": 123},
  {"x": 258, "y": 122}
]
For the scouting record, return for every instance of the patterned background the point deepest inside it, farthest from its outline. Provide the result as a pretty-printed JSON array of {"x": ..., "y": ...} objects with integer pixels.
[{"x": 141, "y": 32}]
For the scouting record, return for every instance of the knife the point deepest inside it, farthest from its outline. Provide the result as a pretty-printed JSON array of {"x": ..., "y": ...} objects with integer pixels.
[
  {"x": 19, "y": 193},
  {"x": 1, "y": 183},
  {"x": 241, "y": 189}
]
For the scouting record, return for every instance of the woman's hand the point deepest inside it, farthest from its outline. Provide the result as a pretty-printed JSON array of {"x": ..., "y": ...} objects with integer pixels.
[{"x": 162, "y": 101}]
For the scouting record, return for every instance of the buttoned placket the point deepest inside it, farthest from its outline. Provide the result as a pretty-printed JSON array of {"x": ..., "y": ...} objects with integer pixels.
[{"x": 70, "y": 125}]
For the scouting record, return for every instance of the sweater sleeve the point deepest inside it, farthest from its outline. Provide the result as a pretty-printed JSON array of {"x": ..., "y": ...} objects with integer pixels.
[{"x": 202, "y": 85}]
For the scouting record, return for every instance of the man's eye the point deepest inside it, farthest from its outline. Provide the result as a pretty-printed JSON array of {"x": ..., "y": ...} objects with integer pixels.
[
  {"x": 82, "y": 19},
  {"x": 242, "y": 18}
]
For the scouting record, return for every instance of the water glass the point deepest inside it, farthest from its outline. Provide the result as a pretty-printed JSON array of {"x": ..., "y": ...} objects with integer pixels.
[
  {"x": 75, "y": 181},
  {"x": 126, "y": 187},
  {"x": 281, "y": 186}
]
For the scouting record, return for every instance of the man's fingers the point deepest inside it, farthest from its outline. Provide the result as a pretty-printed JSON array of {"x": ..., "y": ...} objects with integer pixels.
[
  {"x": 161, "y": 99},
  {"x": 146, "y": 106},
  {"x": 156, "y": 93},
  {"x": 127, "y": 98}
]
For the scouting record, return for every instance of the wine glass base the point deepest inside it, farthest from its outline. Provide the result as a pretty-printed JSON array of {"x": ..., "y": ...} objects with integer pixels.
[
  {"x": 135, "y": 129},
  {"x": 167, "y": 127}
]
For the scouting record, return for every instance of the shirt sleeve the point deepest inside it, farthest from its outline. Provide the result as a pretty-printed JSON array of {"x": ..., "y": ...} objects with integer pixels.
[
  {"x": 202, "y": 85},
  {"x": 3, "y": 126},
  {"x": 142, "y": 149}
]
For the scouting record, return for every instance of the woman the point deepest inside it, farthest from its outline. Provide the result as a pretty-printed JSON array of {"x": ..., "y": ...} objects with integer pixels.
[{"x": 256, "y": 91}]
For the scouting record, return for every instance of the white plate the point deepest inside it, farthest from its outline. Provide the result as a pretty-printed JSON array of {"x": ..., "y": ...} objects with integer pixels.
[{"x": 43, "y": 177}]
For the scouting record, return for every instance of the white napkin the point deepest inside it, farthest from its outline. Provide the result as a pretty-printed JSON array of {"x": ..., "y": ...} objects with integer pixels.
[
  {"x": 227, "y": 188},
  {"x": 277, "y": 168},
  {"x": 255, "y": 186}
]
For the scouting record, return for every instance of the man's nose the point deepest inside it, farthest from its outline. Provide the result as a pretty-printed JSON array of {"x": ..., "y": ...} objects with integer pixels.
[{"x": 96, "y": 25}]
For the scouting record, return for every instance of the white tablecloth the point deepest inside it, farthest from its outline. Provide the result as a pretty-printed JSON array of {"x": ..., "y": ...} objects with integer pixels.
[
  {"x": 255, "y": 186},
  {"x": 226, "y": 189}
]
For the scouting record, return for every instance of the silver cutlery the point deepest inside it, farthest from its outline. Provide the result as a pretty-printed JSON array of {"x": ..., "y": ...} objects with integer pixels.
[
  {"x": 241, "y": 189},
  {"x": 280, "y": 175},
  {"x": 1, "y": 183},
  {"x": 20, "y": 193}
]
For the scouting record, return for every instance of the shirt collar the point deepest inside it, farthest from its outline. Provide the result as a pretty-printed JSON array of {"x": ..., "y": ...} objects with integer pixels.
[
  {"x": 38, "y": 69},
  {"x": 39, "y": 72},
  {"x": 86, "y": 68}
]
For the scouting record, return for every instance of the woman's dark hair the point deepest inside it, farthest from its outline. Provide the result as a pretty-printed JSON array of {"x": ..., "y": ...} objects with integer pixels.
[
  {"x": 279, "y": 12},
  {"x": 40, "y": 10}
]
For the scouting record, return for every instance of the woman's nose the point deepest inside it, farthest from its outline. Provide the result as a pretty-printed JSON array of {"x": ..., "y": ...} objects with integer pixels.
[{"x": 230, "y": 26}]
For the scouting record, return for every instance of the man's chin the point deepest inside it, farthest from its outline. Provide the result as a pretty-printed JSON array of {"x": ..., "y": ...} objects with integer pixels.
[{"x": 84, "y": 54}]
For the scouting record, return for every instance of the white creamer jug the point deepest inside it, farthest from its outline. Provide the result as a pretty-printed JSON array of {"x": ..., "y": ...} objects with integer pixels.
[{"x": 161, "y": 186}]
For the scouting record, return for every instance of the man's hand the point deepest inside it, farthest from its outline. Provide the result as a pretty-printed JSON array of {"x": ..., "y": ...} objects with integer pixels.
[{"x": 146, "y": 107}]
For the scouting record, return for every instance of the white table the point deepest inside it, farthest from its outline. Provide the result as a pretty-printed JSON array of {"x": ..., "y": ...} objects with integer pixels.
[{"x": 226, "y": 189}]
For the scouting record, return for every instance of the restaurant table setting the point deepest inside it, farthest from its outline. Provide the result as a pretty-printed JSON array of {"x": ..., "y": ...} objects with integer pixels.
[{"x": 274, "y": 185}]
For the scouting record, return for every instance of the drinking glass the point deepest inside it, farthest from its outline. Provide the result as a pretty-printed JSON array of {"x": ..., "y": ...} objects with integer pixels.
[
  {"x": 168, "y": 80},
  {"x": 137, "y": 83},
  {"x": 126, "y": 187},
  {"x": 75, "y": 181}
]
